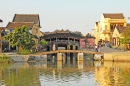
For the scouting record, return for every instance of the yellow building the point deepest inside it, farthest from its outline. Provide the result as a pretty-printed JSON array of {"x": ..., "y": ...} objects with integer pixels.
[
  {"x": 96, "y": 32},
  {"x": 103, "y": 29},
  {"x": 41, "y": 33},
  {"x": 117, "y": 33}
]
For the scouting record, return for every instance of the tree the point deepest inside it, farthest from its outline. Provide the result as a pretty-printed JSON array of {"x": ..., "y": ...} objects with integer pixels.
[
  {"x": 125, "y": 37},
  {"x": 43, "y": 43},
  {"x": 20, "y": 37}
]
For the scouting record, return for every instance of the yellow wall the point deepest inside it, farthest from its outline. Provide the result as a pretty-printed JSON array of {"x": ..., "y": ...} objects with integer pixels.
[
  {"x": 41, "y": 34},
  {"x": 96, "y": 33},
  {"x": 116, "y": 33},
  {"x": 36, "y": 30}
]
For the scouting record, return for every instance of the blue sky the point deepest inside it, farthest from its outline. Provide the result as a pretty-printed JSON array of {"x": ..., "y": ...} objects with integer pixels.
[{"x": 75, "y": 15}]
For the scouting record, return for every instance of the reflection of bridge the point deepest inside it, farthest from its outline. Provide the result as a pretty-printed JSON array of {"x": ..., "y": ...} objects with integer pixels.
[{"x": 68, "y": 51}]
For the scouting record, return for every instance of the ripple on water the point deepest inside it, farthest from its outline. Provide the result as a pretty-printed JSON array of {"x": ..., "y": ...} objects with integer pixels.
[{"x": 106, "y": 74}]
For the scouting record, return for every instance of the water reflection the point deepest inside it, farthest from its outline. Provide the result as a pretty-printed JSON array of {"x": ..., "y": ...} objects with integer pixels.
[
  {"x": 113, "y": 74},
  {"x": 60, "y": 73},
  {"x": 80, "y": 64}
]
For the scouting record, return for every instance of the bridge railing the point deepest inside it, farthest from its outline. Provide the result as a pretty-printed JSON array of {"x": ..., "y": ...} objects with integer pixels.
[
  {"x": 70, "y": 51},
  {"x": 64, "y": 42}
]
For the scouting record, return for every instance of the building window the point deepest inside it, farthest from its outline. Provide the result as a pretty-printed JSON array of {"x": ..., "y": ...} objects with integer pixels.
[{"x": 112, "y": 27}]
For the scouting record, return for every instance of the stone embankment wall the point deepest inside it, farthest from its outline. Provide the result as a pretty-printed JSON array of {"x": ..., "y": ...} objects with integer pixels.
[{"x": 117, "y": 56}]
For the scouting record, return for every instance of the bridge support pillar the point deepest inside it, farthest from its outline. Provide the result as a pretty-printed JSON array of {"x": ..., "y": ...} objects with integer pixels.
[
  {"x": 44, "y": 57},
  {"x": 74, "y": 58},
  {"x": 80, "y": 57},
  {"x": 68, "y": 58},
  {"x": 59, "y": 64},
  {"x": 80, "y": 64},
  {"x": 59, "y": 56},
  {"x": 74, "y": 47}
]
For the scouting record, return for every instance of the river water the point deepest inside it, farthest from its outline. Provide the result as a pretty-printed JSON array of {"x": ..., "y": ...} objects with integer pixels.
[{"x": 73, "y": 73}]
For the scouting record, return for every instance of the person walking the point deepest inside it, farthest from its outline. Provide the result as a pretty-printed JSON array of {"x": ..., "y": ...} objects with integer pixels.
[{"x": 96, "y": 48}]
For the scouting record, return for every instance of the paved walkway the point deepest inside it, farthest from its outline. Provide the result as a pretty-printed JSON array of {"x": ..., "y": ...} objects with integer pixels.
[
  {"x": 108, "y": 50},
  {"x": 105, "y": 50}
]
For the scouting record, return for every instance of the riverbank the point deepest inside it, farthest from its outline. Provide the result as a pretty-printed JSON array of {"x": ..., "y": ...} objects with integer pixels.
[
  {"x": 109, "y": 54},
  {"x": 115, "y": 55}
]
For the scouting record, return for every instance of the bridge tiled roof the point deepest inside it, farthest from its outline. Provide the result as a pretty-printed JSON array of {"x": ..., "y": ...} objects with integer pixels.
[{"x": 62, "y": 31}]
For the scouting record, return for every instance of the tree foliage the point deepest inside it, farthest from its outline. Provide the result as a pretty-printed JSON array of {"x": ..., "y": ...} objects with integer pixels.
[
  {"x": 125, "y": 37},
  {"x": 20, "y": 37},
  {"x": 43, "y": 43}
]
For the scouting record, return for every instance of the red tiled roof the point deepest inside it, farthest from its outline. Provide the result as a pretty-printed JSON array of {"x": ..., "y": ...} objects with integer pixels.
[
  {"x": 27, "y": 18},
  {"x": 12, "y": 25},
  {"x": 113, "y": 15}
]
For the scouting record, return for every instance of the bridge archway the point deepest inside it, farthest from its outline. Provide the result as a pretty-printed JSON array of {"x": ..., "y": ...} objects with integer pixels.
[
  {"x": 62, "y": 47},
  {"x": 76, "y": 47},
  {"x": 71, "y": 47}
]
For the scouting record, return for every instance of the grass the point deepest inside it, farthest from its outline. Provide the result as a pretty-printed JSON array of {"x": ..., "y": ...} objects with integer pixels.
[
  {"x": 5, "y": 58},
  {"x": 25, "y": 52}
]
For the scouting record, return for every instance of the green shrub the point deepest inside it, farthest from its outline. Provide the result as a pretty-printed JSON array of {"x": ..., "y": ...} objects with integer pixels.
[
  {"x": 24, "y": 52},
  {"x": 5, "y": 58}
]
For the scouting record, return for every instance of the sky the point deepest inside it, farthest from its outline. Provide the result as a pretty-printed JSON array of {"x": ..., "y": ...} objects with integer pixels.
[{"x": 73, "y": 15}]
